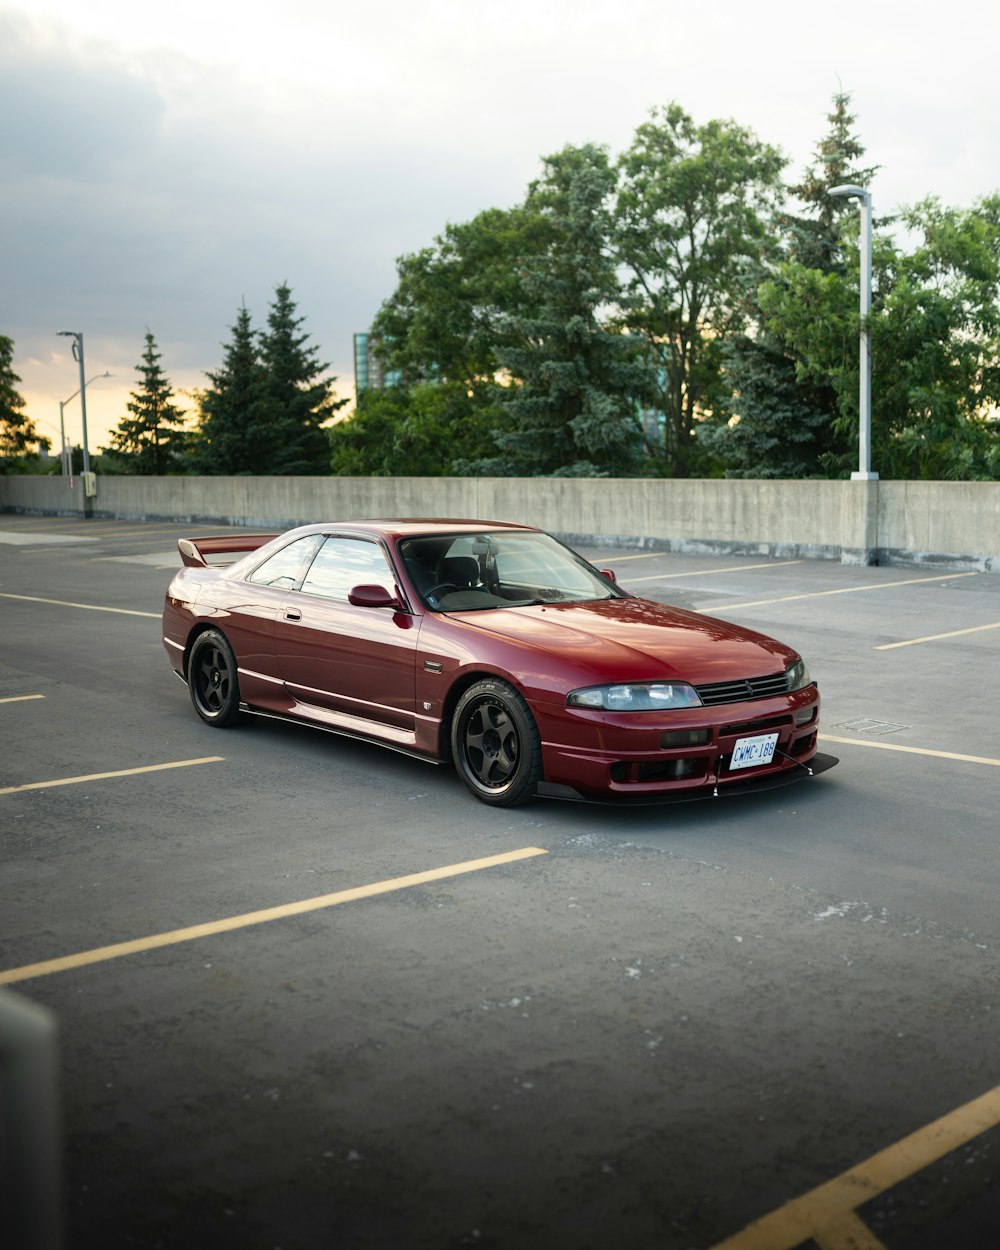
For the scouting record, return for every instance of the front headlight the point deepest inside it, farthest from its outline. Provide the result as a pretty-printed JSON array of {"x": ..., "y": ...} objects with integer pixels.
[
  {"x": 797, "y": 675},
  {"x": 642, "y": 697}
]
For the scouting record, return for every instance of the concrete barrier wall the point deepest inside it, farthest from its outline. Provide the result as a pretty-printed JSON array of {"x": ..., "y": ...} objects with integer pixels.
[{"x": 953, "y": 524}]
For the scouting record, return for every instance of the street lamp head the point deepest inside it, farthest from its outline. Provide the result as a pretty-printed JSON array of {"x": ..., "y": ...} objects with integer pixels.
[
  {"x": 77, "y": 338},
  {"x": 849, "y": 191}
]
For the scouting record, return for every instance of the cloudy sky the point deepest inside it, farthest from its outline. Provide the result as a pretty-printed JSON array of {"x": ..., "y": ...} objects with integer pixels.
[{"x": 162, "y": 163}]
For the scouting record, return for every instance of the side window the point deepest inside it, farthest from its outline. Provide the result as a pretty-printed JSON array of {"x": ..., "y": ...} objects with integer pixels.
[
  {"x": 343, "y": 563},
  {"x": 285, "y": 567}
]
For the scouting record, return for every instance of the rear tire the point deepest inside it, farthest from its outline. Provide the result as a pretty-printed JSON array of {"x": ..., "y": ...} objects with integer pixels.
[
  {"x": 212, "y": 679},
  {"x": 495, "y": 744}
]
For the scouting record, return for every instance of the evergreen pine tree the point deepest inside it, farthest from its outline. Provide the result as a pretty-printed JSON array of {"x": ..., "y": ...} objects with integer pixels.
[
  {"x": 229, "y": 437},
  {"x": 785, "y": 427},
  {"x": 571, "y": 405},
  {"x": 284, "y": 429},
  {"x": 814, "y": 240},
  {"x": 18, "y": 434},
  {"x": 150, "y": 441}
]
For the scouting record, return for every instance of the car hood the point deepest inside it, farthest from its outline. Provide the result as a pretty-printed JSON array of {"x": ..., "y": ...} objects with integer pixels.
[{"x": 636, "y": 639}]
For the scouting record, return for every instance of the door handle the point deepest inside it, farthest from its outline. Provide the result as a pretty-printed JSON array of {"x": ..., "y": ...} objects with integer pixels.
[{"x": 293, "y": 614}]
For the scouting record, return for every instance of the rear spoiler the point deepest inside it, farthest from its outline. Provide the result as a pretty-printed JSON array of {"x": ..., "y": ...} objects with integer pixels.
[{"x": 200, "y": 553}]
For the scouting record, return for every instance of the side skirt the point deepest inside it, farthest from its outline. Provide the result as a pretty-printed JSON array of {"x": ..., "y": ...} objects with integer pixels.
[{"x": 342, "y": 733}]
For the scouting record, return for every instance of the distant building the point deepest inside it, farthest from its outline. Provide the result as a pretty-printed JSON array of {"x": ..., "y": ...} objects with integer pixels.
[{"x": 369, "y": 373}]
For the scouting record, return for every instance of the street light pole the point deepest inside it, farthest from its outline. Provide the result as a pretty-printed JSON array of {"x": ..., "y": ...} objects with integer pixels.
[
  {"x": 78, "y": 356},
  {"x": 850, "y": 191},
  {"x": 62, "y": 423},
  {"x": 64, "y": 451}
]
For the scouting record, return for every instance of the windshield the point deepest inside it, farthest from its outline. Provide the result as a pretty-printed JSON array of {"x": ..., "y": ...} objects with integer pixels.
[{"x": 472, "y": 572}]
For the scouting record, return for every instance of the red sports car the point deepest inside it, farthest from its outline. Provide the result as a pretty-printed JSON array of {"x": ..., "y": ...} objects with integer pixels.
[{"x": 493, "y": 646}]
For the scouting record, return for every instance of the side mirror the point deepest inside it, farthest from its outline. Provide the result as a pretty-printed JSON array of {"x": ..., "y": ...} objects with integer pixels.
[
  {"x": 372, "y": 597},
  {"x": 609, "y": 574}
]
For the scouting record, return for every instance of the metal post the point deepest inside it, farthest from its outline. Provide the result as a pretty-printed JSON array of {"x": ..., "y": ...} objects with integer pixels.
[
  {"x": 83, "y": 401},
  {"x": 864, "y": 473},
  {"x": 77, "y": 338},
  {"x": 63, "y": 449},
  {"x": 865, "y": 363},
  {"x": 82, "y": 392}
]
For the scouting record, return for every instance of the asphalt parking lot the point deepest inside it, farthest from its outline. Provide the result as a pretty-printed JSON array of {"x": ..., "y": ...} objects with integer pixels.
[{"x": 309, "y": 993}]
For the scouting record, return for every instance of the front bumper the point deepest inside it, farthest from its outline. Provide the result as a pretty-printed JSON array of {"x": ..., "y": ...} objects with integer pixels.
[{"x": 643, "y": 756}]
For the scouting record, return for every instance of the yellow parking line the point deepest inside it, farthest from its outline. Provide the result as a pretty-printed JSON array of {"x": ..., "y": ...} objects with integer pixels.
[
  {"x": 123, "y": 772},
  {"x": 955, "y": 633},
  {"x": 890, "y": 746},
  {"x": 736, "y": 568},
  {"x": 245, "y": 921},
  {"x": 843, "y": 590},
  {"x": 829, "y": 1206},
  {"x": 847, "y": 1232},
  {"x": 92, "y": 607},
  {"x": 21, "y": 698}
]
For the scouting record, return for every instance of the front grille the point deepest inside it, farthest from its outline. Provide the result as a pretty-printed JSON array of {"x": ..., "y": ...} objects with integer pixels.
[{"x": 742, "y": 691}]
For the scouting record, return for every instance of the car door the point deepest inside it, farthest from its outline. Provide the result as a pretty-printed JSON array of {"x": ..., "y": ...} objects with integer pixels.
[
  {"x": 249, "y": 617},
  {"x": 354, "y": 665}
]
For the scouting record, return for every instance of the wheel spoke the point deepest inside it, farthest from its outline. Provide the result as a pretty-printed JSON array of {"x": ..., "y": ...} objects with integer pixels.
[
  {"x": 507, "y": 759},
  {"x": 475, "y": 752},
  {"x": 205, "y": 682}
]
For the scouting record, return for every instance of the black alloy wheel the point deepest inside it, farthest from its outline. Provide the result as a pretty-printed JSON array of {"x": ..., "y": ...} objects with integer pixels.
[
  {"x": 212, "y": 680},
  {"x": 495, "y": 744}
]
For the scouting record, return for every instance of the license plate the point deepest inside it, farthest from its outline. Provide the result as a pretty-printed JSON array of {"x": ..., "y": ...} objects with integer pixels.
[{"x": 750, "y": 752}]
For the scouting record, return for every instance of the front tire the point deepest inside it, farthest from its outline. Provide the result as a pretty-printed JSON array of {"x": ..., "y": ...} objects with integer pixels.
[
  {"x": 212, "y": 679},
  {"x": 495, "y": 744}
]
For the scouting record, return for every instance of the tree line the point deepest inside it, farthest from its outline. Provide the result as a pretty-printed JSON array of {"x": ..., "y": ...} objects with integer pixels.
[
  {"x": 263, "y": 411},
  {"x": 679, "y": 309},
  {"x": 682, "y": 310}
]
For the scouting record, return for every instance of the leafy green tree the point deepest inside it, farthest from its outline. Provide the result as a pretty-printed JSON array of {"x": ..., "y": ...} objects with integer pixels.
[
  {"x": 575, "y": 381},
  {"x": 19, "y": 437},
  {"x": 692, "y": 224},
  {"x": 444, "y": 325},
  {"x": 152, "y": 440},
  {"x": 935, "y": 342},
  {"x": 418, "y": 431},
  {"x": 445, "y": 320},
  {"x": 286, "y": 435},
  {"x": 232, "y": 434}
]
